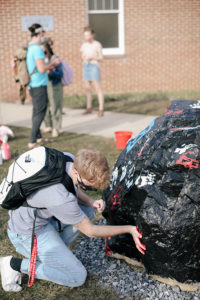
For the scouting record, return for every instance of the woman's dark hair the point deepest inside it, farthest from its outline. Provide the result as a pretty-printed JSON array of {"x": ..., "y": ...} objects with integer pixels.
[
  {"x": 48, "y": 49},
  {"x": 34, "y": 29},
  {"x": 89, "y": 29},
  {"x": 49, "y": 41}
]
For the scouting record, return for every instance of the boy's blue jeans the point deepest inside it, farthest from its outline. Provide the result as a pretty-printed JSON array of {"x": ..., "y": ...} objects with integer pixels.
[{"x": 55, "y": 262}]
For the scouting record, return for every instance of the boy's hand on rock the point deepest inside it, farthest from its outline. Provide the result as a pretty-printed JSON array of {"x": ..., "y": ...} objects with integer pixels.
[{"x": 136, "y": 237}]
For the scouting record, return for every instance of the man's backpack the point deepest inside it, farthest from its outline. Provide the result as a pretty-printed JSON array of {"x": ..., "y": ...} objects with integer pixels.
[
  {"x": 67, "y": 78},
  {"x": 34, "y": 169},
  {"x": 22, "y": 72}
]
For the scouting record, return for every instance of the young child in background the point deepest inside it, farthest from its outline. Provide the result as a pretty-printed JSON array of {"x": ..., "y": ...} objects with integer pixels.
[{"x": 91, "y": 51}]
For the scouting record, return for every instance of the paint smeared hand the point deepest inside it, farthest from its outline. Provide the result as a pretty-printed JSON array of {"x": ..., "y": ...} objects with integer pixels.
[{"x": 136, "y": 237}]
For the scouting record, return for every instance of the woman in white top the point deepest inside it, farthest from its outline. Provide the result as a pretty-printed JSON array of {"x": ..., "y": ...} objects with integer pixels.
[{"x": 91, "y": 51}]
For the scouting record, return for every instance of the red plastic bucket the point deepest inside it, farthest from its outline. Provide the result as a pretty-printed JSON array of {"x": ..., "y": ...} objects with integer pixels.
[{"x": 121, "y": 138}]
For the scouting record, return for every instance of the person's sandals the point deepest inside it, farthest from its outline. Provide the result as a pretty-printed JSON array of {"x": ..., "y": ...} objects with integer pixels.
[
  {"x": 100, "y": 114},
  {"x": 87, "y": 111}
]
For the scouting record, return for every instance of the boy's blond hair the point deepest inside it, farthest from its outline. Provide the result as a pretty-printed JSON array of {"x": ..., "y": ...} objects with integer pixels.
[{"x": 93, "y": 166}]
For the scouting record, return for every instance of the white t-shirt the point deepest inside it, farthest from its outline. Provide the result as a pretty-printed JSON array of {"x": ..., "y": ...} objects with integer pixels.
[{"x": 93, "y": 49}]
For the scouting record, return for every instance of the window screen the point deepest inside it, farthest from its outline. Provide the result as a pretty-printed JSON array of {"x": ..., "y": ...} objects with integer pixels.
[
  {"x": 106, "y": 17},
  {"x": 106, "y": 29},
  {"x": 103, "y": 4}
]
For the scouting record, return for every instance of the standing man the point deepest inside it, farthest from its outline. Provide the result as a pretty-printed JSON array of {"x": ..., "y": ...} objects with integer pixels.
[
  {"x": 38, "y": 81},
  {"x": 89, "y": 170}
]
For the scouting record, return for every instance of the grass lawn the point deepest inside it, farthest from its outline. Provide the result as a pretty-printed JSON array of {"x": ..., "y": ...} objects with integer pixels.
[
  {"x": 41, "y": 289},
  {"x": 141, "y": 103}
]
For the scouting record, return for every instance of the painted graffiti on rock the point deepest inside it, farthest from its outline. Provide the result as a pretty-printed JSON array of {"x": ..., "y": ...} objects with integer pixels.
[
  {"x": 127, "y": 172},
  {"x": 174, "y": 112},
  {"x": 184, "y": 148},
  {"x": 116, "y": 198},
  {"x": 187, "y": 161},
  {"x": 114, "y": 178},
  {"x": 133, "y": 142},
  {"x": 195, "y": 105},
  {"x": 185, "y": 128},
  {"x": 142, "y": 149},
  {"x": 147, "y": 179},
  {"x": 124, "y": 171}
]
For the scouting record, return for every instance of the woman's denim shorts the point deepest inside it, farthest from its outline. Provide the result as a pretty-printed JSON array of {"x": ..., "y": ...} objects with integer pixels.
[{"x": 91, "y": 72}]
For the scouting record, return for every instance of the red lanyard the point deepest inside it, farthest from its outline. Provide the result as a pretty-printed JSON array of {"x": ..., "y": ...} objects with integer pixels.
[{"x": 33, "y": 263}]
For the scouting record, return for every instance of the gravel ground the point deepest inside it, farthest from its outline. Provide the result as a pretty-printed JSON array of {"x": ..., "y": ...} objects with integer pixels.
[{"x": 125, "y": 281}]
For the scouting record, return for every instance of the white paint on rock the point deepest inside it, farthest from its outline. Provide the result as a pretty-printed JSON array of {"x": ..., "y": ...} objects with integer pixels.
[
  {"x": 195, "y": 105},
  {"x": 184, "y": 148},
  {"x": 143, "y": 180},
  {"x": 114, "y": 178},
  {"x": 124, "y": 170}
]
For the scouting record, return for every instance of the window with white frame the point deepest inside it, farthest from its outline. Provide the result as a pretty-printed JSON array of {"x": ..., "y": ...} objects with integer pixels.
[{"x": 106, "y": 17}]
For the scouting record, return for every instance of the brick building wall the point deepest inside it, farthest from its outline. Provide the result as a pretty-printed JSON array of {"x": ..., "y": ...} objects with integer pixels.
[{"x": 162, "y": 44}]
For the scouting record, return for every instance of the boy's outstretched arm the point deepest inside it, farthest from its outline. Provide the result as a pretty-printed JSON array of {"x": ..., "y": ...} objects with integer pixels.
[{"x": 91, "y": 230}]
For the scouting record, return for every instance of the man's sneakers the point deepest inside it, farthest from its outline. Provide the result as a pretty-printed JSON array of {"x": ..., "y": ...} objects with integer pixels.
[{"x": 10, "y": 278}]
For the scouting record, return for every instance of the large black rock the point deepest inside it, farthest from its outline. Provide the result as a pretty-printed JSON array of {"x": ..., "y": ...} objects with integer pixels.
[{"x": 156, "y": 185}]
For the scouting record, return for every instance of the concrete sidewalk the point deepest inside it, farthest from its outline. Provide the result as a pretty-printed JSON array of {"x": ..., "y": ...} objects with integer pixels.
[{"x": 73, "y": 121}]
